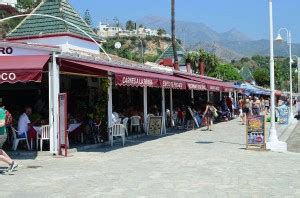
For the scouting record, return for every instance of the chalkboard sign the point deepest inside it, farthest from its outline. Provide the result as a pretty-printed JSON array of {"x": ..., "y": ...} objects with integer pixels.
[
  {"x": 155, "y": 125},
  {"x": 256, "y": 131},
  {"x": 63, "y": 135}
]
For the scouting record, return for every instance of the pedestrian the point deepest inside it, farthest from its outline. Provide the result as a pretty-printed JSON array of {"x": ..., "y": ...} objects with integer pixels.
[
  {"x": 3, "y": 137},
  {"x": 209, "y": 113},
  {"x": 256, "y": 106},
  {"x": 246, "y": 108}
]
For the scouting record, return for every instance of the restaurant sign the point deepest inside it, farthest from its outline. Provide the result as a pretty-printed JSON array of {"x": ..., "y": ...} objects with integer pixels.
[
  {"x": 199, "y": 87},
  {"x": 172, "y": 84},
  {"x": 226, "y": 89},
  {"x": 6, "y": 50},
  {"x": 20, "y": 76},
  {"x": 135, "y": 81},
  {"x": 256, "y": 131},
  {"x": 214, "y": 88}
]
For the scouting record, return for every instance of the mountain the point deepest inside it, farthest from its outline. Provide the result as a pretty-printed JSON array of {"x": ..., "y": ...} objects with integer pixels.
[{"x": 229, "y": 45}]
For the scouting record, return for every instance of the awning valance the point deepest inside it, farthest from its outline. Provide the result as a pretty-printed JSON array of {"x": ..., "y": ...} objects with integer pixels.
[
  {"x": 15, "y": 69},
  {"x": 132, "y": 77},
  {"x": 212, "y": 85}
]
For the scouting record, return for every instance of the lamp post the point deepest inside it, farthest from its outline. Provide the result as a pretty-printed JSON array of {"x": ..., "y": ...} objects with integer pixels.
[
  {"x": 289, "y": 42},
  {"x": 273, "y": 143}
]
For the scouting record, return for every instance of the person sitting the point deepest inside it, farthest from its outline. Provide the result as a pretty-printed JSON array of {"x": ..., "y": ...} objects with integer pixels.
[{"x": 24, "y": 123}]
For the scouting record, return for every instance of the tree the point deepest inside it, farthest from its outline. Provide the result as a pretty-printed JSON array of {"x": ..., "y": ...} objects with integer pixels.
[
  {"x": 262, "y": 77},
  {"x": 193, "y": 59},
  {"x": 87, "y": 17},
  {"x": 226, "y": 72},
  {"x": 174, "y": 42},
  {"x": 27, "y": 5},
  {"x": 161, "y": 31},
  {"x": 130, "y": 25},
  {"x": 211, "y": 61}
]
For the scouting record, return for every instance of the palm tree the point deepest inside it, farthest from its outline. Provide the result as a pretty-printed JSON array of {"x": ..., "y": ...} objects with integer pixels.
[{"x": 173, "y": 34}]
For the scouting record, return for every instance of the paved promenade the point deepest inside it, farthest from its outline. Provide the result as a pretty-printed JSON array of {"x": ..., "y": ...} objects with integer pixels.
[
  {"x": 294, "y": 140},
  {"x": 191, "y": 164}
]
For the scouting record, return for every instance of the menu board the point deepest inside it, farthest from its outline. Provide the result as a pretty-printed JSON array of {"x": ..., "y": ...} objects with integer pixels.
[
  {"x": 155, "y": 125},
  {"x": 256, "y": 131},
  {"x": 62, "y": 101}
]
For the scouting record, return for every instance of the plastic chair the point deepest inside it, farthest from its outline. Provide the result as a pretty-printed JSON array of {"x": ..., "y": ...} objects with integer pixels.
[
  {"x": 125, "y": 123},
  {"x": 17, "y": 140},
  {"x": 45, "y": 135},
  {"x": 118, "y": 130},
  {"x": 135, "y": 122}
]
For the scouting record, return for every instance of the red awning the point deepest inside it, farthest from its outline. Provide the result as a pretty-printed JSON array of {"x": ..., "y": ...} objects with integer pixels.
[
  {"x": 130, "y": 77},
  {"x": 212, "y": 85},
  {"x": 22, "y": 68}
]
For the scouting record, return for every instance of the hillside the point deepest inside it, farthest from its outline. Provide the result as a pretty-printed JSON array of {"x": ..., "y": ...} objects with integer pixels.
[{"x": 229, "y": 45}]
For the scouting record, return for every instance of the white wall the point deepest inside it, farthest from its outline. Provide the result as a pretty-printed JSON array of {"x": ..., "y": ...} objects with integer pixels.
[
  {"x": 66, "y": 41},
  {"x": 9, "y": 2}
]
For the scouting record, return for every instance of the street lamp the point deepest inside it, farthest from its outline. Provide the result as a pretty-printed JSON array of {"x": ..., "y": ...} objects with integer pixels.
[
  {"x": 273, "y": 143},
  {"x": 289, "y": 42}
]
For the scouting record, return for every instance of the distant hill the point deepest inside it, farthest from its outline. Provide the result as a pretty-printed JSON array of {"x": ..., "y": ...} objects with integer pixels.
[{"x": 229, "y": 45}]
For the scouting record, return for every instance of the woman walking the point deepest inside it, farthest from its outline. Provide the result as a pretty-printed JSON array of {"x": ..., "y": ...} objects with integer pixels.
[{"x": 209, "y": 112}]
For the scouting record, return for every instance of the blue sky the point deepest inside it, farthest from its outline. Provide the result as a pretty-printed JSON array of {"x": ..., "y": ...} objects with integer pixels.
[{"x": 248, "y": 16}]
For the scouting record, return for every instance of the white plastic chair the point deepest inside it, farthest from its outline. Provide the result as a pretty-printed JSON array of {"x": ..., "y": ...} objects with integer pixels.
[
  {"x": 45, "y": 135},
  {"x": 135, "y": 122},
  {"x": 17, "y": 140},
  {"x": 118, "y": 130},
  {"x": 125, "y": 123}
]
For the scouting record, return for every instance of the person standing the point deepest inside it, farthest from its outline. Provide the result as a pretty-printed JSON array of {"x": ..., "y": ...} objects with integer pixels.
[
  {"x": 256, "y": 106},
  {"x": 209, "y": 114},
  {"x": 3, "y": 137}
]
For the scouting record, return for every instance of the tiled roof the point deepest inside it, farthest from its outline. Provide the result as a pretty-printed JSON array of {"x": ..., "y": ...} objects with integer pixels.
[
  {"x": 39, "y": 25},
  {"x": 168, "y": 53}
]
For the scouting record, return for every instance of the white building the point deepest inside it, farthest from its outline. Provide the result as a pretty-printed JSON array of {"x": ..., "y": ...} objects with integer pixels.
[
  {"x": 12, "y": 3},
  {"x": 107, "y": 30}
]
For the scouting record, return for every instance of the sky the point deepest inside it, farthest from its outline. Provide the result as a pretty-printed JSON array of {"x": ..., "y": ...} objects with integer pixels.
[{"x": 247, "y": 16}]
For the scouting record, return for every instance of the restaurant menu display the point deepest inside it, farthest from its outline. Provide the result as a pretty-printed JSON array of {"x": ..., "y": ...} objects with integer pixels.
[
  {"x": 62, "y": 102},
  {"x": 155, "y": 125},
  {"x": 256, "y": 135}
]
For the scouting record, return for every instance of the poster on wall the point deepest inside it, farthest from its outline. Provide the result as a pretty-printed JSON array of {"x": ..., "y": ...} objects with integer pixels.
[
  {"x": 155, "y": 125},
  {"x": 63, "y": 134},
  {"x": 256, "y": 132}
]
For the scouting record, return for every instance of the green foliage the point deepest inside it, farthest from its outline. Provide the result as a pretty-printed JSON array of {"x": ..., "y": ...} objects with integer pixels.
[
  {"x": 27, "y": 5},
  {"x": 211, "y": 61},
  {"x": 87, "y": 18},
  {"x": 193, "y": 59},
  {"x": 262, "y": 77},
  {"x": 130, "y": 25},
  {"x": 161, "y": 32},
  {"x": 226, "y": 72},
  {"x": 102, "y": 102}
]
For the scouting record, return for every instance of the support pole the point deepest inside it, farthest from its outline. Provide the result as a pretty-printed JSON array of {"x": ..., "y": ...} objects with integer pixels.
[
  {"x": 56, "y": 91},
  {"x": 163, "y": 109},
  {"x": 51, "y": 117},
  {"x": 171, "y": 107},
  {"x": 235, "y": 98},
  {"x": 192, "y": 95},
  {"x": 220, "y": 95},
  {"x": 208, "y": 97},
  {"x": 109, "y": 107},
  {"x": 145, "y": 109}
]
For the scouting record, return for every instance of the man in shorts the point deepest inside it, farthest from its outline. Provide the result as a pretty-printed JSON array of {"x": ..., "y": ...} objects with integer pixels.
[{"x": 3, "y": 136}]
